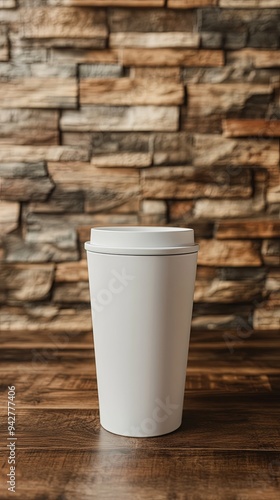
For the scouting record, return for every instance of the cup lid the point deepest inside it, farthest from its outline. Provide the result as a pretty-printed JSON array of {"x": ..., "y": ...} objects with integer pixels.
[{"x": 142, "y": 240}]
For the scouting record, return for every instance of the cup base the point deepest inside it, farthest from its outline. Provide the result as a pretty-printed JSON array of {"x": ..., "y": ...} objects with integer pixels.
[{"x": 140, "y": 434}]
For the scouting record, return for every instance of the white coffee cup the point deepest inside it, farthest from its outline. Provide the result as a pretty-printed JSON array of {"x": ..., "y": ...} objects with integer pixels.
[{"x": 141, "y": 286}]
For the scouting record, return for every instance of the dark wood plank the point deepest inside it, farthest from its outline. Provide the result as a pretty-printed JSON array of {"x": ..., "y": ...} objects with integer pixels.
[
  {"x": 226, "y": 449},
  {"x": 131, "y": 472},
  {"x": 212, "y": 420},
  {"x": 212, "y": 339},
  {"x": 50, "y": 353},
  {"x": 8, "y": 337},
  {"x": 228, "y": 382},
  {"x": 205, "y": 338},
  {"x": 24, "y": 338},
  {"x": 62, "y": 391}
]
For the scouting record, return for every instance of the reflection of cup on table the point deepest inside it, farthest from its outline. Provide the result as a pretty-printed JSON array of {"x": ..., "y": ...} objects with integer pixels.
[{"x": 141, "y": 287}]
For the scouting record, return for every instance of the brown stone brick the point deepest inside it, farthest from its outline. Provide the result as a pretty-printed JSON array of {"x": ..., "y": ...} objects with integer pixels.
[
  {"x": 100, "y": 70},
  {"x": 110, "y": 3},
  {"x": 39, "y": 93},
  {"x": 266, "y": 317},
  {"x": 211, "y": 124},
  {"x": 9, "y": 216},
  {"x": 154, "y": 40},
  {"x": 252, "y": 58},
  {"x": 247, "y": 128},
  {"x": 127, "y": 91},
  {"x": 172, "y": 148},
  {"x": 207, "y": 99},
  {"x": 71, "y": 271},
  {"x": 105, "y": 188},
  {"x": 42, "y": 153},
  {"x": 227, "y": 292},
  {"x": 246, "y": 228},
  {"x": 26, "y": 282},
  {"x": 156, "y": 73},
  {"x": 151, "y": 20},
  {"x": 128, "y": 159},
  {"x": 153, "y": 212},
  {"x": 180, "y": 210},
  {"x": 8, "y": 4},
  {"x": 234, "y": 253},
  {"x": 190, "y": 4},
  {"x": 25, "y": 189},
  {"x": 71, "y": 292},
  {"x": 181, "y": 182},
  {"x": 4, "y": 49},
  {"x": 47, "y": 318},
  {"x": 63, "y": 22},
  {"x": 172, "y": 57},
  {"x": 28, "y": 126},
  {"x": 118, "y": 118},
  {"x": 65, "y": 55},
  {"x": 216, "y": 150},
  {"x": 233, "y": 72},
  {"x": 247, "y": 4},
  {"x": 238, "y": 20}
]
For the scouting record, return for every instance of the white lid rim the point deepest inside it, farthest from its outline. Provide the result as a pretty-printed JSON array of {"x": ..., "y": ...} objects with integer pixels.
[
  {"x": 142, "y": 229},
  {"x": 179, "y": 250}
]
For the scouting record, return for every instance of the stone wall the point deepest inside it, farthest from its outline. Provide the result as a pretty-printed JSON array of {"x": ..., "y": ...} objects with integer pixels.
[{"x": 139, "y": 112}]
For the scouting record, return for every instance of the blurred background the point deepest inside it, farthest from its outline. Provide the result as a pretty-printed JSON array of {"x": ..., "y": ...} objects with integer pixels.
[{"x": 132, "y": 112}]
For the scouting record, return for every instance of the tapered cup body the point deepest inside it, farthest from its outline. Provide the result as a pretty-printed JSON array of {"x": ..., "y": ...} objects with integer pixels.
[{"x": 141, "y": 308}]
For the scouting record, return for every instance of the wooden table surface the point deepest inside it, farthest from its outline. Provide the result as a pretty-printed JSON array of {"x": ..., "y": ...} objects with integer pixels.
[{"x": 227, "y": 447}]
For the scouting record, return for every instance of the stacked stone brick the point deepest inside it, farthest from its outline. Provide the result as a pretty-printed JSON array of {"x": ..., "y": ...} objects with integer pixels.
[{"x": 132, "y": 112}]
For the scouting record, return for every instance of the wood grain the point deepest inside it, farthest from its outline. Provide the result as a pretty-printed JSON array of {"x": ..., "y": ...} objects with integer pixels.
[
  {"x": 66, "y": 427},
  {"x": 228, "y": 437},
  {"x": 124, "y": 473}
]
